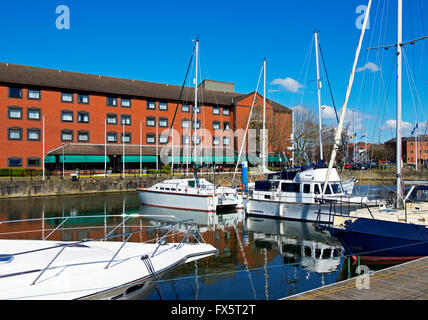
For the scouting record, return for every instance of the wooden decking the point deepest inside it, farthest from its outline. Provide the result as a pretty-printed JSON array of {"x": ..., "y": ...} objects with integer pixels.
[{"x": 406, "y": 281}]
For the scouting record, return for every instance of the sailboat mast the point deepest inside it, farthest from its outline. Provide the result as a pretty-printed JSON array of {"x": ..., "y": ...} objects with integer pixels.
[
  {"x": 196, "y": 96},
  {"x": 399, "y": 93},
  {"x": 264, "y": 119},
  {"x": 319, "y": 94}
]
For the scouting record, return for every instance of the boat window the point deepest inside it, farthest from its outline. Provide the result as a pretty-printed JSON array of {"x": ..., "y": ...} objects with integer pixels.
[
  {"x": 191, "y": 183},
  {"x": 336, "y": 188},
  {"x": 162, "y": 188},
  {"x": 166, "y": 188},
  {"x": 316, "y": 189},
  {"x": 306, "y": 188},
  {"x": 420, "y": 193},
  {"x": 328, "y": 190},
  {"x": 290, "y": 187},
  {"x": 267, "y": 196}
]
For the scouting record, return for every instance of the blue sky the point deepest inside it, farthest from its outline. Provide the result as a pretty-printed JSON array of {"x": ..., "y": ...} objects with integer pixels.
[{"x": 152, "y": 41}]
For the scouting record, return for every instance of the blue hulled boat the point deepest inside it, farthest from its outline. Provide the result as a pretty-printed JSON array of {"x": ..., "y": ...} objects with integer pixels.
[{"x": 383, "y": 241}]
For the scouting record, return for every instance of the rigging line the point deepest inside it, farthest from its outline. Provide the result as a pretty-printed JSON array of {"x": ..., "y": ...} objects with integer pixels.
[
  {"x": 414, "y": 84},
  {"x": 178, "y": 103},
  {"x": 305, "y": 63},
  {"x": 248, "y": 123},
  {"x": 423, "y": 22},
  {"x": 245, "y": 260},
  {"x": 332, "y": 98}
]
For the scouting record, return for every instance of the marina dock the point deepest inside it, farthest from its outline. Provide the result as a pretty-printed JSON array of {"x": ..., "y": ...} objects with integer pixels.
[{"x": 406, "y": 281}]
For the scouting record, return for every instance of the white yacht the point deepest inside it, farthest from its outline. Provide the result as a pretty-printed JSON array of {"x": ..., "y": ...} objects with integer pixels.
[
  {"x": 91, "y": 269},
  {"x": 296, "y": 194},
  {"x": 190, "y": 194}
]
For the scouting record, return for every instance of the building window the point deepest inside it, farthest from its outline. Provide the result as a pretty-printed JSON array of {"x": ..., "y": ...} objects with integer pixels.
[
  {"x": 226, "y": 125},
  {"x": 126, "y": 137},
  {"x": 33, "y": 114},
  {"x": 33, "y": 134},
  {"x": 111, "y": 101},
  {"x": 163, "y": 122},
  {"x": 163, "y": 139},
  {"x": 197, "y": 109},
  {"x": 226, "y": 141},
  {"x": 67, "y": 116},
  {"x": 216, "y": 140},
  {"x": 111, "y": 118},
  {"x": 66, "y": 97},
  {"x": 83, "y": 136},
  {"x": 216, "y": 110},
  {"x": 150, "y": 138},
  {"x": 14, "y": 162},
  {"x": 34, "y": 162},
  {"x": 185, "y": 123},
  {"x": 112, "y": 137},
  {"x": 185, "y": 139},
  {"x": 125, "y": 119},
  {"x": 226, "y": 111},
  {"x": 163, "y": 106},
  {"x": 15, "y": 133},
  {"x": 216, "y": 125},
  {"x": 198, "y": 124},
  {"x": 185, "y": 108},
  {"x": 83, "y": 99},
  {"x": 150, "y": 121},
  {"x": 126, "y": 103},
  {"x": 15, "y": 92},
  {"x": 83, "y": 117},
  {"x": 15, "y": 113},
  {"x": 151, "y": 105},
  {"x": 33, "y": 94},
  {"x": 67, "y": 135}
]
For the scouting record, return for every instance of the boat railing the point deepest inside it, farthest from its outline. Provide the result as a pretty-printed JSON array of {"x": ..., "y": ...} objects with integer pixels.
[{"x": 191, "y": 231}]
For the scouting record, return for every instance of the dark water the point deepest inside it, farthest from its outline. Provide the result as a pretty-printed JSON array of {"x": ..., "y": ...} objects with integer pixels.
[{"x": 257, "y": 259}]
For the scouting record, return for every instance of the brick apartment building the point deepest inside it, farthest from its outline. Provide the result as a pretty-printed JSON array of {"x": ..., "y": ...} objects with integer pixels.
[
  {"x": 87, "y": 116},
  {"x": 417, "y": 149}
]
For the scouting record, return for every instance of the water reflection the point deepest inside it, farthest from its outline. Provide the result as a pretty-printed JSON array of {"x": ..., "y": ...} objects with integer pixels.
[{"x": 256, "y": 258}]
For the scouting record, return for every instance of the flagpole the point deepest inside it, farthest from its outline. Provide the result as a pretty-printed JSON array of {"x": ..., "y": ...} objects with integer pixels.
[
  {"x": 105, "y": 147},
  {"x": 123, "y": 149},
  {"x": 43, "y": 148},
  {"x": 141, "y": 142}
]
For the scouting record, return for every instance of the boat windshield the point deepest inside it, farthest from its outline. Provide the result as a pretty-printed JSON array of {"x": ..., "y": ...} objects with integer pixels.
[
  {"x": 336, "y": 188},
  {"x": 191, "y": 183},
  {"x": 420, "y": 193}
]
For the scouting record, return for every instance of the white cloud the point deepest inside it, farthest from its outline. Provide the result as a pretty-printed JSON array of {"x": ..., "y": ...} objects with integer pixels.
[
  {"x": 369, "y": 66},
  {"x": 392, "y": 123},
  {"x": 288, "y": 84},
  {"x": 327, "y": 112}
]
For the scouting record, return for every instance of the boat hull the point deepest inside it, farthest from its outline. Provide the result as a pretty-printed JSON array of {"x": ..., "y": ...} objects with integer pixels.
[
  {"x": 308, "y": 212},
  {"x": 179, "y": 201},
  {"x": 380, "y": 240}
]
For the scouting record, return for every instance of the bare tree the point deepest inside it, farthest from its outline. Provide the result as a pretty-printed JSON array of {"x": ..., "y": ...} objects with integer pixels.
[{"x": 305, "y": 135}]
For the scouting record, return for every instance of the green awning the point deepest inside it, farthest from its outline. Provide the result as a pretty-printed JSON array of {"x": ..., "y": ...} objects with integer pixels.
[
  {"x": 82, "y": 159},
  {"x": 274, "y": 158},
  {"x": 50, "y": 159},
  {"x": 138, "y": 159}
]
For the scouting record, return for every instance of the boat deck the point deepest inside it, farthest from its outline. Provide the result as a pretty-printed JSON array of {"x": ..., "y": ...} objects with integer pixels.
[{"x": 406, "y": 281}]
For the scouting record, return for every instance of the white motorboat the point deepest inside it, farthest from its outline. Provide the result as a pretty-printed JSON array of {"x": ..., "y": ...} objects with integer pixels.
[
  {"x": 190, "y": 194},
  {"x": 92, "y": 269},
  {"x": 296, "y": 194}
]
